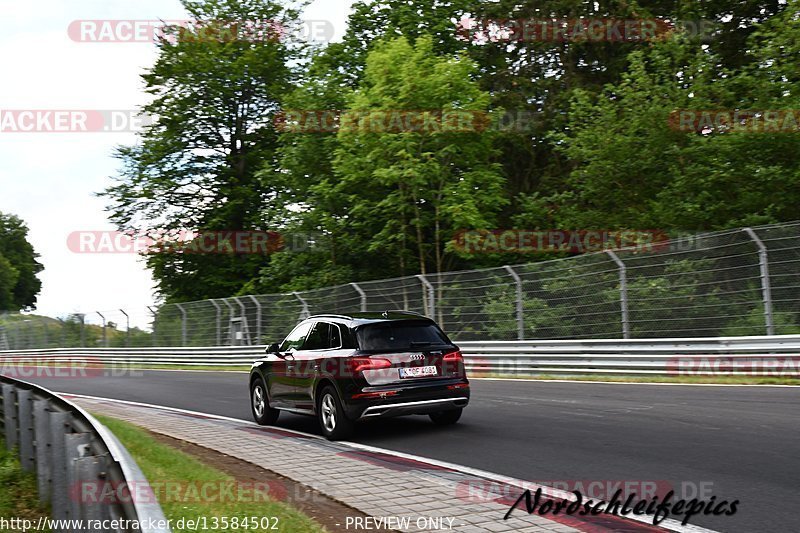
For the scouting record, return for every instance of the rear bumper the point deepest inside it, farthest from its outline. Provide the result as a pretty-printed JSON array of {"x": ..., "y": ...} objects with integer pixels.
[
  {"x": 419, "y": 407},
  {"x": 410, "y": 399}
]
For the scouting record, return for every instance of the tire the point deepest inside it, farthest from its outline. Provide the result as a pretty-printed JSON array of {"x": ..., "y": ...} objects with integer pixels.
[
  {"x": 446, "y": 418},
  {"x": 263, "y": 414},
  {"x": 332, "y": 419}
]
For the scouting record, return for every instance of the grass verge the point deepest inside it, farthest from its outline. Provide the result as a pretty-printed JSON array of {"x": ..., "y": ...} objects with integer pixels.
[
  {"x": 19, "y": 497},
  {"x": 163, "y": 464}
]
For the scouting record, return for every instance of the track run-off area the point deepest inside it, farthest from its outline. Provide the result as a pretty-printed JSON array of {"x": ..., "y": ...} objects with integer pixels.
[{"x": 732, "y": 442}]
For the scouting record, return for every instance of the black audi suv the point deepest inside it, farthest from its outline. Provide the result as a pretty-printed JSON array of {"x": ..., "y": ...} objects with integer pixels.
[{"x": 343, "y": 369}]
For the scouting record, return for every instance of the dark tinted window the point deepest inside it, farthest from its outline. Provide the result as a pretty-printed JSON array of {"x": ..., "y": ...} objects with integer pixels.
[
  {"x": 399, "y": 336},
  {"x": 335, "y": 337},
  {"x": 319, "y": 338}
]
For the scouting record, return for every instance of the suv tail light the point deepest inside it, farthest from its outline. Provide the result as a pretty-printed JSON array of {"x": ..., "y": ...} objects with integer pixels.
[
  {"x": 453, "y": 363},
  {"x": 454, "y": 357},
  {"x": 359, "y": 364}
]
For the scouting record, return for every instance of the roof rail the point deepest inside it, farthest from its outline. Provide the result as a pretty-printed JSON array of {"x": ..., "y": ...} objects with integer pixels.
[{"x": 361, "y": 314}]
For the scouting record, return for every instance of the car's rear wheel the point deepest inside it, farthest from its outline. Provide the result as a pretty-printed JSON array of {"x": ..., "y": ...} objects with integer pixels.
[
  {"x": 332, "y": 418},
  {"x": 446, "y": 418},
  {"x": 263, "y": 414}
]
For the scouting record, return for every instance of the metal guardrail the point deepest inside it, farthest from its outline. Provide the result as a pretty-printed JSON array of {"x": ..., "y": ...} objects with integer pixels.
[
  {"x": 69, "y": 449},
  {"x": 754, "y": 355}
]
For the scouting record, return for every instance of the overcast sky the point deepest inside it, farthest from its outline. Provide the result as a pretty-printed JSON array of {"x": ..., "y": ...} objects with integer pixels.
[{"x": 49, "y": 179}]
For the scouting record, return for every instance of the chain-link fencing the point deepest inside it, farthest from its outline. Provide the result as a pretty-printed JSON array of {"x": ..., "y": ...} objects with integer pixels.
[{"x": 728, "y": 283}]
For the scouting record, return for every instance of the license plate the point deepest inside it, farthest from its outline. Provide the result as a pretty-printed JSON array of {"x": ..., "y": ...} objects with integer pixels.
[{"x": 418, "y": 371}]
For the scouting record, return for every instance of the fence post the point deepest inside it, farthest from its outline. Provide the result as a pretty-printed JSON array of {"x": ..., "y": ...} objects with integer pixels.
[
  {"x": 155, "y": 332},
  {"x": 623, "y": 294},
  {"x": 46, "y": 335},
  {"x": 304, "y": 312},
  {"x": 766, "y": 292},
  {"x": 431, "y": 304},
  {"x": 219, "y": 321},
  {"x": 127, "y": 328},
  {"x": 258, "y": 318},
  {"x": 230, "y": 318},
  {"x": 520, "y": 316},
  {"x": 245, "y": 326},
  {"x": 362, "y": 294},
  {"x": 105, "y": 337},
  {"x": 183, "y": 324}
]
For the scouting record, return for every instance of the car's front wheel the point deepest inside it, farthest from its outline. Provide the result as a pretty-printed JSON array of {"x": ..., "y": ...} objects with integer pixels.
[
  {"x": 446, "y": 418},
  {"x": 263, "y": 414},
  {"x": 332, "y": 418}
]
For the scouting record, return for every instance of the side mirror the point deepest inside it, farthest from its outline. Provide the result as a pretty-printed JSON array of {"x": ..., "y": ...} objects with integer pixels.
[{"x": 273, "y": 348}]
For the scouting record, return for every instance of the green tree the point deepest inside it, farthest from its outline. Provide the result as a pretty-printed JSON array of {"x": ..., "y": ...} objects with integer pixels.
[
  {"x": 215, "y": 90},
  {"x": 19, "y": 284},
  {"x": 409, "y": 191}
]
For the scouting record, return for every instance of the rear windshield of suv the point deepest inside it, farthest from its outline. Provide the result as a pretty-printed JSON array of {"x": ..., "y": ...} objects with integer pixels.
[{"x": 406, "y": 335}]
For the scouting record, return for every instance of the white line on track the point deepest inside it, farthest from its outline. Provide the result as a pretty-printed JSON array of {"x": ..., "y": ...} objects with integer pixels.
[{"x": 669, "y": 524}]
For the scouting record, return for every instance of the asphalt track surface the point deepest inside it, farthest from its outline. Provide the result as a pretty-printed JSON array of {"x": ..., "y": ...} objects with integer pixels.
[{"x": 736, "y": 442}]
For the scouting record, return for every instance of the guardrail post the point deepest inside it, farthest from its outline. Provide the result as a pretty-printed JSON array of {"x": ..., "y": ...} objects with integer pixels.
[
  {"x": 25, "y": 421},
  {"x": 184, "y": 335},
  {"x": 218, "y": 322},
  {"x": 59, "y": 502},
  {"x": 362, "y": 294},
  {"x": 41, "y": 436},
  {"x": 10, "y": 415},
  {"x": 430, "y": 304},
  {"x": 766, "y": 292},
  {"x": 304, "y": 313},
  {"x": 518, "y": 301},
  {"x": 623, "y": 293},
  {"x": 258, "y": 318},
  {"x": 88, "y": 473},
  {"x": 77, "y": 446}
]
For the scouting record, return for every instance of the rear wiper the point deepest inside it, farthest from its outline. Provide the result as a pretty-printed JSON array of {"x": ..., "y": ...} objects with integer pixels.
[{"x": 419, "y": 343}]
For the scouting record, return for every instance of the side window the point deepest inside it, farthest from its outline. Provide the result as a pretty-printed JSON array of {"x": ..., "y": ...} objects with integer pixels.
[
  {"x": 319, "y": 338},
  {"x": 335, "y": 337},
  {"x": 295, "y": 339}
]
